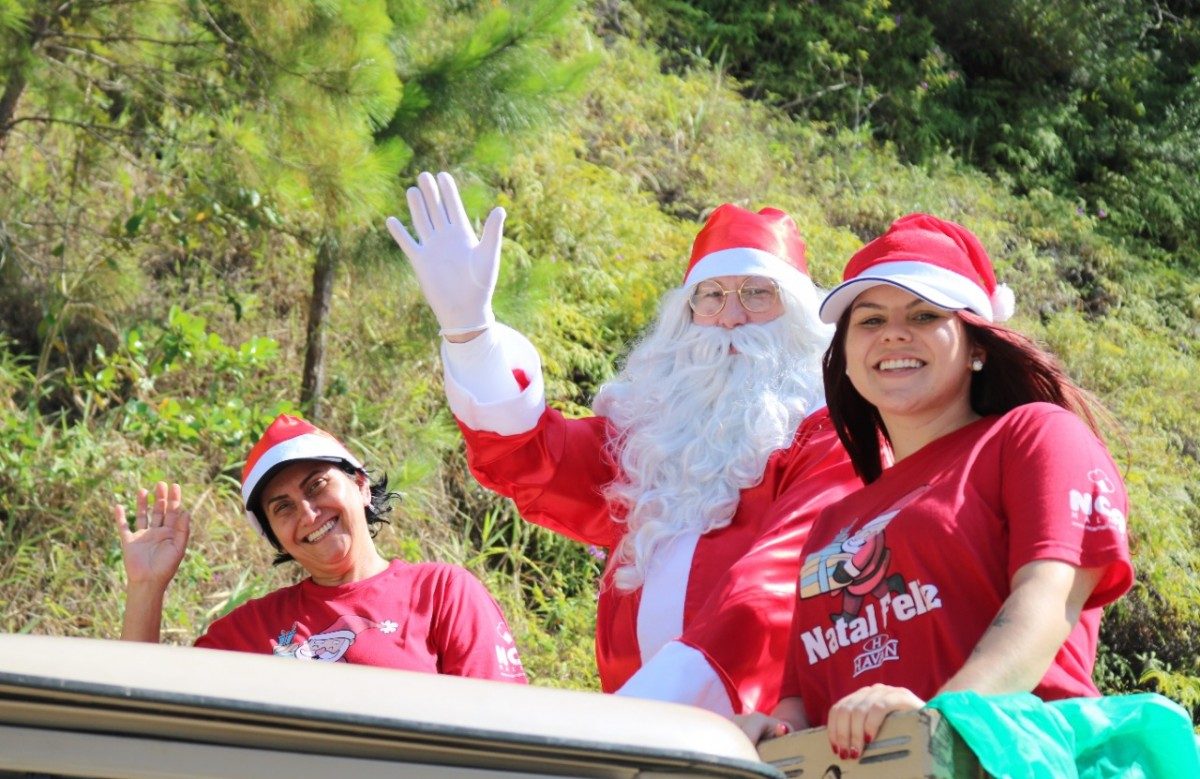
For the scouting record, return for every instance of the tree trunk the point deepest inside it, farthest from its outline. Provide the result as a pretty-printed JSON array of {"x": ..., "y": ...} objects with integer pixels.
[
  {"x": 312, "y": 386},
  {"x": 15, "y": 85}
]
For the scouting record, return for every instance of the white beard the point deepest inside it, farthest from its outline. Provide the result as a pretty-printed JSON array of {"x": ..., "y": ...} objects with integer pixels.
[{"x": 697, "y": 411}]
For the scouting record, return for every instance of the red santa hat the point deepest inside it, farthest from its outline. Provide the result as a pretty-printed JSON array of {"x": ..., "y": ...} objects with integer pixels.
[
  {"x": 939, "y": 261},
  {"x": 737, "y": 242},
  {"x": 286, "y": 440}
]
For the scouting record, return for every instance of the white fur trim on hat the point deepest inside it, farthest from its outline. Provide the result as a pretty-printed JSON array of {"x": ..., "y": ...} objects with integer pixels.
[
  {"x": 1004, "y": 303},
  {"x": 939, "y": 286},
  {"x": 741, "y": 261}
]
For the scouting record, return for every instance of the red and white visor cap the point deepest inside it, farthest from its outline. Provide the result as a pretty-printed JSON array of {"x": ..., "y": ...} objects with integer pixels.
[
  {"x": 737, "y": 242},
  {"x": 936, "y": 260},
  {"x": 286, "y": 440}
]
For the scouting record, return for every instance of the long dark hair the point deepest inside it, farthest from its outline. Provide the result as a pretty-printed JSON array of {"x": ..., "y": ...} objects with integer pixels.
[
  {"x": 1016, "y": 371},
  {"x": 381, "y": 505}
]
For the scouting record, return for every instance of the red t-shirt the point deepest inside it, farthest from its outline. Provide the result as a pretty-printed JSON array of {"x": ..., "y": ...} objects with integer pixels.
[
  {"x": 430, "y": 617},
  {"x": 902, "y": 578}
]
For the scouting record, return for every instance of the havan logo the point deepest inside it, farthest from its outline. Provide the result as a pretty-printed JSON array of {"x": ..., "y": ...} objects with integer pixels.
[{"x": 876, "y": 651}]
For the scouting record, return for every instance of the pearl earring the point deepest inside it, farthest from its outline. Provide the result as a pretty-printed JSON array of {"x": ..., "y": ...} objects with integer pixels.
[{"x": 977, "y": 365}]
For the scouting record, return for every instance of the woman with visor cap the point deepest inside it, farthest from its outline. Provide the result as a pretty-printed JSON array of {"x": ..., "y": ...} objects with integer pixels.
[
  {"x": 312, "y": 500},
  {"x": 992, "y": 527}
]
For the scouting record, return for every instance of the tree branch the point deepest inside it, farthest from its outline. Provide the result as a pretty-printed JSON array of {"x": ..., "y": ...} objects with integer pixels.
[{"x": 197, "y": 42}]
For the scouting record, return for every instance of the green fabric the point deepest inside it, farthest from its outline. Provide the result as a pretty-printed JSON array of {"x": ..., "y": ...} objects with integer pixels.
[{"x": 1143, "y": 736}]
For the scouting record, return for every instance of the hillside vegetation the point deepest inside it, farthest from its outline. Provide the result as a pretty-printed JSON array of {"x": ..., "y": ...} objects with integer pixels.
[{"x": 164, "y": 224}]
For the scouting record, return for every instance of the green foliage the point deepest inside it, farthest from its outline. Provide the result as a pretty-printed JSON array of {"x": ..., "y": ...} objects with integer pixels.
[
  {"x": 331, "y": 81},
  {"x": 479, "y": 78},
  {"x": 1094, "y": 100},
  {"x": 152, "y": 363},
  {"x": 850, "y": 62},
  {"x": 1183, "y": 688}
]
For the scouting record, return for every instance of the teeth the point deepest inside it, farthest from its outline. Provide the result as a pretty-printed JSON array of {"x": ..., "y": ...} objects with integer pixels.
[
  {"x": 320, "y": 532},
  {"x": 894, "y": 365}
]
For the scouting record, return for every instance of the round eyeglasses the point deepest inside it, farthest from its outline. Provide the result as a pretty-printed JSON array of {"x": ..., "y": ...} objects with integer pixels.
[{"x": 756, "y": 294}]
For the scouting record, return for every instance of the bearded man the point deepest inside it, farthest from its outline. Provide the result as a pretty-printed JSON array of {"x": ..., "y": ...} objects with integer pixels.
[{"x": 709, "y": 456}]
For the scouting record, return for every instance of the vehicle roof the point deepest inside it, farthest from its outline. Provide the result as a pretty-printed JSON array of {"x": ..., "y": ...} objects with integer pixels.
[{"x": 335, "y": 708}]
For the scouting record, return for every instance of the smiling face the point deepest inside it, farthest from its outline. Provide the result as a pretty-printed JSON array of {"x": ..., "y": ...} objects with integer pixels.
[
  {"x": 911, "y": 360},
  {"x": 317, "y": 511}
]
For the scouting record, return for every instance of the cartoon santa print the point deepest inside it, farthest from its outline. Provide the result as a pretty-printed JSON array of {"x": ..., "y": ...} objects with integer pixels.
[
  {"x": 330, "y": 644},
  {"x": 866, "y": 570},
  {"x": 856, "y": 565}
]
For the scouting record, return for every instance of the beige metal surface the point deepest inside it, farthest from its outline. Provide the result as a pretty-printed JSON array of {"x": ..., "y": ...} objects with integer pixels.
[
  {"x": 250, "y": 702},
  {"x": 46, "y": 752}
]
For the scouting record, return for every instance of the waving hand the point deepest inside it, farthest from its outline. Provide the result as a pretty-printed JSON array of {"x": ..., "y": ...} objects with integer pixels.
[
  {"x": 457, "y": 272},
  {"x": 152, "y": 553},
  {"x": 154, "y": 550}
]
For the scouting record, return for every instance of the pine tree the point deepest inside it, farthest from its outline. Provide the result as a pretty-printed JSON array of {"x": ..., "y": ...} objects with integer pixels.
[{"x": 303, "y": 116}]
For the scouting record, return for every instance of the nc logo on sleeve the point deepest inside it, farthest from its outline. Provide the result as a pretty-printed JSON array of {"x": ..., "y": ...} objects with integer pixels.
[
  {"x": 507, "y": 656},
  {"x": 1093, "y": 510}
]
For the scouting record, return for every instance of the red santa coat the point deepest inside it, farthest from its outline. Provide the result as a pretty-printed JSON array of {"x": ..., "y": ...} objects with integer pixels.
[
  {"x": 739, "y": 593},
  {"x": 714, "y": 617}
]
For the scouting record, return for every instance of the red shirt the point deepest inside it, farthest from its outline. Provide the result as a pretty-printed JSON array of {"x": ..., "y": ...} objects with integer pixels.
[
  {"x": 901, "y": 579},
  {"x": 430, "y": 617}
]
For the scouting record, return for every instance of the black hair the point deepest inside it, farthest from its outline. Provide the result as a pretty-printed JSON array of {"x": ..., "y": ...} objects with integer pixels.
[
  {"x": 1016, "y": 371},
  {"x": 381, "y": 504}
]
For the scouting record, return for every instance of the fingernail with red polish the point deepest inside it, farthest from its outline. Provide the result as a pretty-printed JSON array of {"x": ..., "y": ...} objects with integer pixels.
[
  {"x": 866, "y": 739},
  {"x": 853, "y": 754}
]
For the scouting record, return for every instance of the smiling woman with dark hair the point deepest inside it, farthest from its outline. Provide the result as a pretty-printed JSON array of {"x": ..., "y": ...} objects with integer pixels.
[
  {"x": 375, "y": 511},
  {"x": 312, "y": 500},
  {"x": 991, "y": 530}
]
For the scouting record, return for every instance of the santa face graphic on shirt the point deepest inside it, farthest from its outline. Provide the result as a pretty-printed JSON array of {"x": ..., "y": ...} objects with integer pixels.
[{"x": 330, "y": 645}]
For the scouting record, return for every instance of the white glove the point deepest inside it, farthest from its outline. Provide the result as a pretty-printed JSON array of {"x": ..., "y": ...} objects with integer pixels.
[{"x": 457, "y": 273}]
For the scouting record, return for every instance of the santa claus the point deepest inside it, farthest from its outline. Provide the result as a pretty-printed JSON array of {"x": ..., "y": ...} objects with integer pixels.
[{"x": 709, "y": 455}]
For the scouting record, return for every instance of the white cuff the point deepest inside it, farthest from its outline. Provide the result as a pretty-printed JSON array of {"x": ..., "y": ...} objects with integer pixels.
[
  {"x": 480, "y": 386},
  {"x": 479, "y": 367},
  {"x": 680, "y": 674}
]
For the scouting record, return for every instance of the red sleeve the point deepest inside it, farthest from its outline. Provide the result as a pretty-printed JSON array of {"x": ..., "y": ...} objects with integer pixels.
[
  {"x": 470, "y": 633},
  {"x": 555, "y": 473},
  {"x": 212, "y": 637},
  {"x": 744, "y": 626},
  {"x": 1064, "y": 498},
  {"x": 236, "y": 631}
]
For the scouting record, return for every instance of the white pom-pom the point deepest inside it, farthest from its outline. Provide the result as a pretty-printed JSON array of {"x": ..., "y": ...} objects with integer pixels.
[{"x": 1004, "y": 303}]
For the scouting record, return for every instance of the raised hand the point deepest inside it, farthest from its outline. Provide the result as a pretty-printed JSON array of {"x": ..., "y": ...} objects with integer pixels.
[
  {"x": 457, "y": 273},
  {"x": 153, "y": 551}
]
